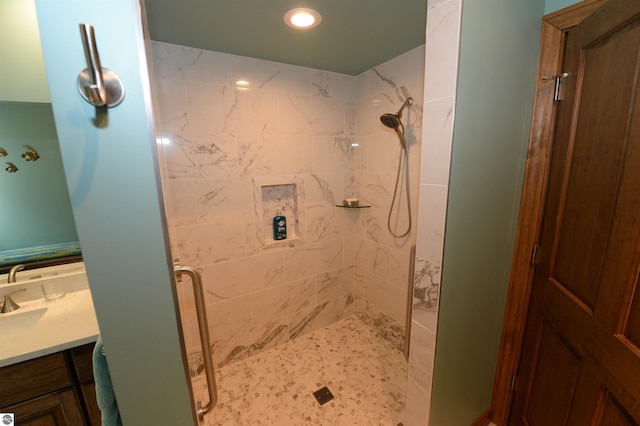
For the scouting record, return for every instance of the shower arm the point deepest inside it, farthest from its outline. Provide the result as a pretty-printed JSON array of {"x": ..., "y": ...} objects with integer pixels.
[{"x": 407, "y": 102}]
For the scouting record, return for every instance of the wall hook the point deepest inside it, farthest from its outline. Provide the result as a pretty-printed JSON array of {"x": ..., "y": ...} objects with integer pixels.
[
  {"x": 3, "y": 153},
  {"x": 31, "y": 154},
  {"x": 11, "y": 168},
  {"x": 99, "y": 86}
]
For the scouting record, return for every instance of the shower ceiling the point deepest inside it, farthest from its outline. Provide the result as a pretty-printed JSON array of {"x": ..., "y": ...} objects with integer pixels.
[{"x": 354, "y": 36}]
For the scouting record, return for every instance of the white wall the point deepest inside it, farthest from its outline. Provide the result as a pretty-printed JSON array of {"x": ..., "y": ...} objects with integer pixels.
[
  {"x": 22, "y": 75},
  {"x": 443, "y": 38},
  {"x": 290, "y": 125},
  {"x": 312, "y": 128},
  {"x": 382, "y": 261}
]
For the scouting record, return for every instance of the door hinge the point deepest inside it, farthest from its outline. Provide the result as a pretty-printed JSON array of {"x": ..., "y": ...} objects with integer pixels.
[
  {"x": 534, "y": 254},
  {"x": 514, "y": 384},
  {"x": 557, "y": 92}
]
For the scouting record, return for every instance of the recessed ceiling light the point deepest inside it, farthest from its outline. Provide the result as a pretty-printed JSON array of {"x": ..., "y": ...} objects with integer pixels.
[{"x": 302, "y": 18}]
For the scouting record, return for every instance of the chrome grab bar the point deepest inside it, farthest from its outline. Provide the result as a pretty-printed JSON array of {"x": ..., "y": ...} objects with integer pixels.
[
  {"x": 201, "y": 312},
  {"x": 409, "y": 313}
]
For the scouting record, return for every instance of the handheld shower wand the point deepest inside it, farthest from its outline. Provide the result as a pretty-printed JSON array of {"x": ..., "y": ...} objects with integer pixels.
[{"x": 393, "y": 121}]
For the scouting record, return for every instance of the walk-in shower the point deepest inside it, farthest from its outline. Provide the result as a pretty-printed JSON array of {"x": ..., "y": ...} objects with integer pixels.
[
  {"x": 234, "y": 160},
  {"x": 394, "y": 121}
]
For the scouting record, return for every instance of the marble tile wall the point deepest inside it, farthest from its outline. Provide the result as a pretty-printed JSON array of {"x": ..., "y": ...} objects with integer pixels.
[
  {"x": 382, "y": 261},
  {"x": 231, "y": 130},
  {"x": 222, "y": 142},
  {"x": 237, "y": 137},
  {"x": 441, "y": 65}
]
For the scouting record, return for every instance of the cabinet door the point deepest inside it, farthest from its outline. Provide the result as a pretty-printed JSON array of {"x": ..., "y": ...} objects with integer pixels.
[
  {"x": 91, "y": 403},
  {"x": 83, "y": 362},
  {"x": 29, "y": 379},
  {"x": 83, "y": 365},
  {"x": 56, "y": 409}
]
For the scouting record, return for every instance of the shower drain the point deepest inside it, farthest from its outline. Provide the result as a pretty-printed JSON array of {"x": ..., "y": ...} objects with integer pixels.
[{"x": 323, "y": 395}]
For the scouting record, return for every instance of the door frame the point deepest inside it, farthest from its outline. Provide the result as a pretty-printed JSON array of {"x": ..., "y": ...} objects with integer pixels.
[{"x": 554, "y": 27}]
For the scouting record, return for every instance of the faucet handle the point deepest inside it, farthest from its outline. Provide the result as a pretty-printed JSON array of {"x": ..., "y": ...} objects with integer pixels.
[{"x": 9, "y": 305}]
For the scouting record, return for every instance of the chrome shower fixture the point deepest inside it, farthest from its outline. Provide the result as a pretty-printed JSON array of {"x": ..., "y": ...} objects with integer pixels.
[
  {"x": 392, "y": 121},
  {"x": 11, "y": 168},
  {"x": 31, "y": 154},
  {"x": 3, "y": 153}
]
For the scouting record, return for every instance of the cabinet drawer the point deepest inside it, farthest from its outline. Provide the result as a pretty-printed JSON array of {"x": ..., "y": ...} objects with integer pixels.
[{"x": 32, "y": 378}]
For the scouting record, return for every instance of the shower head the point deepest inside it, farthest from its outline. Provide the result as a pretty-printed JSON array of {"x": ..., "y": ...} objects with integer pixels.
[{"x": 392, "y": 121}]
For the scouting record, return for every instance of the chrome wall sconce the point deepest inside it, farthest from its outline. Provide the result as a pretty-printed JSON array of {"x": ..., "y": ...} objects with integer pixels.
[
  {"x": 31, "y": 154},
  {"x": 3, "y": 153},
  {"x": 11, "y": 168}
]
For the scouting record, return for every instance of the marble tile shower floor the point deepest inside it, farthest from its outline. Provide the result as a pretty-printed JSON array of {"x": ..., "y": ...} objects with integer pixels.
[{"x": 364, "y": 372}]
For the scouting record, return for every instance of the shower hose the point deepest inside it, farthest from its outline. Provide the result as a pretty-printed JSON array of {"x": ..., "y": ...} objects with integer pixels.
[{"x": 404, "y": 165}]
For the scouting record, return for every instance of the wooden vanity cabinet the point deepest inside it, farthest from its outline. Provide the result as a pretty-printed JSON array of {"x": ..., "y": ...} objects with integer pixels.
[
  {"x": 52, "y": 390},
  {"x": 57, "y": 408},
  {"x": 83, "y": 364}
]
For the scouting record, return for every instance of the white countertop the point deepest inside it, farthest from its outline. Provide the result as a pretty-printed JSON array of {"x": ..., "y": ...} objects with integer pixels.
[{"x": 40, "y": 327}]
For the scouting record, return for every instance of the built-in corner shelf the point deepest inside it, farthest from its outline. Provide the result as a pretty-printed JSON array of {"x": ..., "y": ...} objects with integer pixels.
[{"x": 359, "y": 206}]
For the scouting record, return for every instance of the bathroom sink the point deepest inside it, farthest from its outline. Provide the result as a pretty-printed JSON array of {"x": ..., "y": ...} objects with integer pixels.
[
  {"x": 40, "y": 327},
  {"x": 22, "y": 317}
]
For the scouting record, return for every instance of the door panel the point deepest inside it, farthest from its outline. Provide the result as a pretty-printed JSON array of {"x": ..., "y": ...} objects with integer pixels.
[
  {"x": 614, "y": 415},
  {"x": 595, "y": 166},
  {"x": 632, "y": 331},
  {"x": 580, "y": 362},
  {"x": 555, "y": 379}
]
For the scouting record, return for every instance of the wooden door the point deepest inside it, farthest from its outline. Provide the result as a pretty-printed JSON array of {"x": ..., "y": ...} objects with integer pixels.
[{"x": 580, "y": 363}]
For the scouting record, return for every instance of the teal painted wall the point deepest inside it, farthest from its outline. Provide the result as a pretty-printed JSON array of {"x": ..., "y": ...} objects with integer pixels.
[
  {"x": 496, "y": 82},
  {"x": 554, "y": 5},
  {"x": 34, "y": 208},
  {"x": 110, "y": 162}
]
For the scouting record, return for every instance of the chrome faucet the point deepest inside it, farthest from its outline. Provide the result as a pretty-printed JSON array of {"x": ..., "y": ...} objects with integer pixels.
[{"x": 12, "y": 273}]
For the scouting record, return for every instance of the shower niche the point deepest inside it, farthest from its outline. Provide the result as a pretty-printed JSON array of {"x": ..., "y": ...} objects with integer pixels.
[{"x": 277, "y": 198}]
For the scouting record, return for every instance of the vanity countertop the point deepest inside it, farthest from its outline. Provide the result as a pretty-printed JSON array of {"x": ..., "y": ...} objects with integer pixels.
[{"x": 43, "y": 327}]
